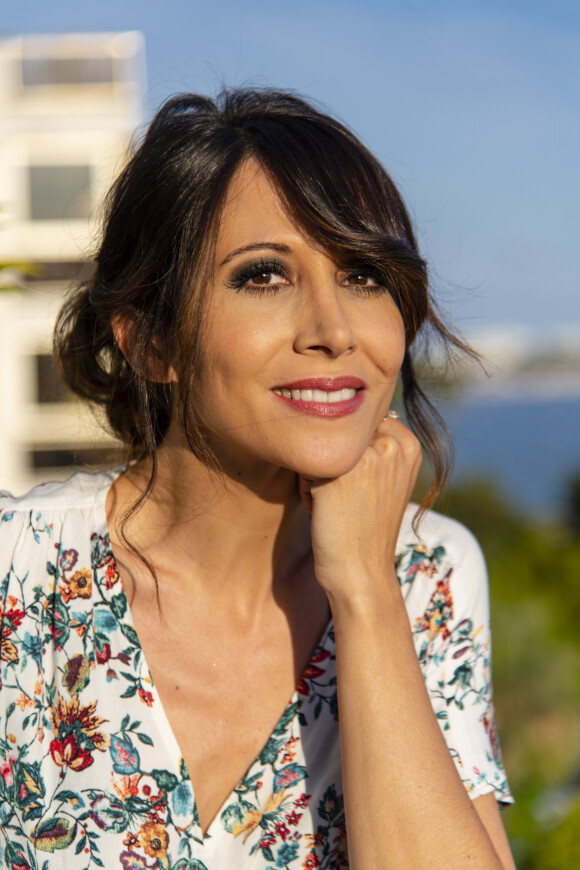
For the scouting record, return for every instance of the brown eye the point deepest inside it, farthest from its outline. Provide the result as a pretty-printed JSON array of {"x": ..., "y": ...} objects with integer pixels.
[
  {"x": 359, "y": 279},
  {"x": 261, "y": 278},
  {"x": 364, "y": 283}
]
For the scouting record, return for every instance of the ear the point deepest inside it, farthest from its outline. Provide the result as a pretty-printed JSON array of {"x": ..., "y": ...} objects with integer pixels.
[{"x": 155, "y": 367}]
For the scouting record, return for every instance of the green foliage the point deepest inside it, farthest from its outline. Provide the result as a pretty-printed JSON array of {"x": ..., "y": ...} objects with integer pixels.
[
  {"x": 535, "y": 602},
  {"x": 573, "y": 505},
  {"x": 561, "y": 845}
]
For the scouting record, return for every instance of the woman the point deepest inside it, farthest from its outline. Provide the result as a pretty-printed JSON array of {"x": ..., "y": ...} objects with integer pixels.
[{"x": 255, "y": 299}]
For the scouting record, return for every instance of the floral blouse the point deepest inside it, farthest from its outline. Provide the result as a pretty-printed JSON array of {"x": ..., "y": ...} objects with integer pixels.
[{"x": 90, "y": 772}]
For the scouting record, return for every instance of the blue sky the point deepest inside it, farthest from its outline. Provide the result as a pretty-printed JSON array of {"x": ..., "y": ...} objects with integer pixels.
[{"x": 472, "y": 106}]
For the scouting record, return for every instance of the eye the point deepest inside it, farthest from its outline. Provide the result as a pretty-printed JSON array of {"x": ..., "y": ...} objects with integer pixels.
[
  {"x": 364, "y": 280},
  {"x": 259, "y": 277}
]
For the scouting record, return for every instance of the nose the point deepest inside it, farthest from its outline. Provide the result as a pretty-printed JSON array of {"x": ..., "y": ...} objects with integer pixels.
[{"x": 323, "y": 325}]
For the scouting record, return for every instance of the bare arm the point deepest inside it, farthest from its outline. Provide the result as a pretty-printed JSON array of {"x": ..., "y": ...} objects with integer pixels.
[{"x": 405, "y": 804}]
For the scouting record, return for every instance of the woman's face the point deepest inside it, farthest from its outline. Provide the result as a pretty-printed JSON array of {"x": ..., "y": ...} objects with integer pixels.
[{"x": 301, "y": 357}]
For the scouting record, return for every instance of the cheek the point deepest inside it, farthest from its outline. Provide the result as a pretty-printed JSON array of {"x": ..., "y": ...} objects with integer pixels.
[
  {"x": 389, "y": 348},
  {"x": 232, "y": 355}
]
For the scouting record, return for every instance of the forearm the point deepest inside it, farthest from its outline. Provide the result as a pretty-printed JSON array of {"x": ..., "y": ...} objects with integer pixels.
[{"x": 405, "y": 804}]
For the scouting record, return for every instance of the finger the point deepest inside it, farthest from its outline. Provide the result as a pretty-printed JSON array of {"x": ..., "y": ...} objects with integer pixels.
[{"x": 393, "y": 438}]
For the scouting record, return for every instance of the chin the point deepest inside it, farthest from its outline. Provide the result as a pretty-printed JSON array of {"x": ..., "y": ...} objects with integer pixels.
[{"x": 327, "y": 464}]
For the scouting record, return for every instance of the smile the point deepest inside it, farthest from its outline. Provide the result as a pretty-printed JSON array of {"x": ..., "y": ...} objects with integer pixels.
[
  {"x": 323, "y": 397},
  {"x": 317, "y": 395}
]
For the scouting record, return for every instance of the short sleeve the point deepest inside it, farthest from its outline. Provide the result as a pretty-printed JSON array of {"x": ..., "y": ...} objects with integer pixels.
[{"x": 444, "y": 582}]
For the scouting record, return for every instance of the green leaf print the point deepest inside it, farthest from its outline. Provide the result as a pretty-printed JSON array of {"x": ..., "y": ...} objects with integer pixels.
[
  {"x": 235, "y": 814},
  {"x": 166, "y": 780},
  {"x": 112, "y": 811},
  {"x": 269, "y": 753},
  {"x": 29, "y": 789},
  {"x": 267, "y": 853},
  {"x": 130, "y": 633},
  {"x": 55, "y": 833},
  {"x": 10, "y": 710},
  {"x": 287, "y": 716},
  {"x": 70, "y": 796},
  {"x": 119, "y": 605}
]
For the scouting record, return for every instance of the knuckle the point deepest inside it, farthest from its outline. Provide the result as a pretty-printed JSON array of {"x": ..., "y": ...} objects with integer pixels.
[
  {"x": 413, "y": 445},
  {"x": 386, "y": 444}
]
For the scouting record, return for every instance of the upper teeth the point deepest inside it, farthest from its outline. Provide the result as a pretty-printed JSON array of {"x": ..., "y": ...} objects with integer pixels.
[{"x": 317, "y": 395}]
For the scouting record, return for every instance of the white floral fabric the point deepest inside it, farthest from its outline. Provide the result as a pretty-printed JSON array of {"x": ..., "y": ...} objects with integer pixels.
[{"x": 90, "y": 772}]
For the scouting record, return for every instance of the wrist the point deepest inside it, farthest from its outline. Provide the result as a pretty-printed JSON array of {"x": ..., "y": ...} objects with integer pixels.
[{"x": 360, "y": 592}]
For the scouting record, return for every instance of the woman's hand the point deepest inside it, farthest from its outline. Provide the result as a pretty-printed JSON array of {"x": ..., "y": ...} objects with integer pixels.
[
  {"x": 405, "y": 804},
  {"x": 356, "y": 517}
]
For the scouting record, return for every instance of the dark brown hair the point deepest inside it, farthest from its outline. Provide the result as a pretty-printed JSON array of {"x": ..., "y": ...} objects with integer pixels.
[{"x": 160, "y": 223}]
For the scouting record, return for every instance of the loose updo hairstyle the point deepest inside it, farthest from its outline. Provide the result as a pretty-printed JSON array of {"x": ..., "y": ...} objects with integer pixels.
[{"x": 154, "y": 263}]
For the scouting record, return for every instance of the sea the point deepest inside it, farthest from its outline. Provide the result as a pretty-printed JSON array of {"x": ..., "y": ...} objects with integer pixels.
[{"x": 522, "y": 436}]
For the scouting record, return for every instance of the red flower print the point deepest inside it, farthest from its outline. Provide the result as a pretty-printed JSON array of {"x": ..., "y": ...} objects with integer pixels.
[
  {"x": 267, "y": 841},
  {"x": 311, "y": 861},
  {"x": 111, "y": 575},
  {"x": 67, "y": 753},
  {"x": 312, "y": 672},
  {"x": 6, "y": 768},
  {"x": 65, "y": 716},
  {"x": 146, "y": 697},
  {"x": 20, "y": 864},
  {"x": 104, "y": 655},
  {"x": 439, "y": 611},
  {"x": 13, "y": 616},
  {"x": 131, "y": 840},
  {"x": 293, "y": 818},
  {"x": 282, "y": 830},
  {"x": 302, "y": 801}
]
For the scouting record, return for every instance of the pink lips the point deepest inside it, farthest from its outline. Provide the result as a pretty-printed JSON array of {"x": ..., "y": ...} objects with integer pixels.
[
  {"x": 329, "y": 385},
  {"x": 346, "y": 382}
]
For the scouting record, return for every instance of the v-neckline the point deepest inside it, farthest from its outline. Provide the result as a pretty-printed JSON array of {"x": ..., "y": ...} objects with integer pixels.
[{"x": 157, "y": 709}]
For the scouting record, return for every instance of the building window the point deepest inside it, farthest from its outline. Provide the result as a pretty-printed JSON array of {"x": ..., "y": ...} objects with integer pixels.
[
  {"x": 50, "y": 387},
  {"x": 59, "y": 191},
  {"x": 66, "y": 71},
  {"x": 45, "y": 458}
]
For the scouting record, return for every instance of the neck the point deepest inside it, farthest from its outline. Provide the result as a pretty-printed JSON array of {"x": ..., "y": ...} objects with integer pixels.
[{"x": 243, "y": 535}]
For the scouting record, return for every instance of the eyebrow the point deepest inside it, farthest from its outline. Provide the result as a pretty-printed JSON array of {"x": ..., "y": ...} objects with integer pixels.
[{"x": 256, "y": 246}]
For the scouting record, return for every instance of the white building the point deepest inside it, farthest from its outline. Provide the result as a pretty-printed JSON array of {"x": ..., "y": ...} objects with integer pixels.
[{"x": 69, "y": 105}]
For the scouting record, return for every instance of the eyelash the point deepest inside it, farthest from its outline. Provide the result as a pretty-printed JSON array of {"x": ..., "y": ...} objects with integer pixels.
[
  {"x": 241, "y": 278},
  {"x": 240, "y": 281}
]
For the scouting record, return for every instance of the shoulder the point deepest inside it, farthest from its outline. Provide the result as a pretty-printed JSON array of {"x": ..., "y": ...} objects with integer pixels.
[
  {"x": 437, "y": 534},
  {"x": 48, "y": 518},
  {"x": 442, "y": 557},
  {"x": 80, "y": 492}
]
